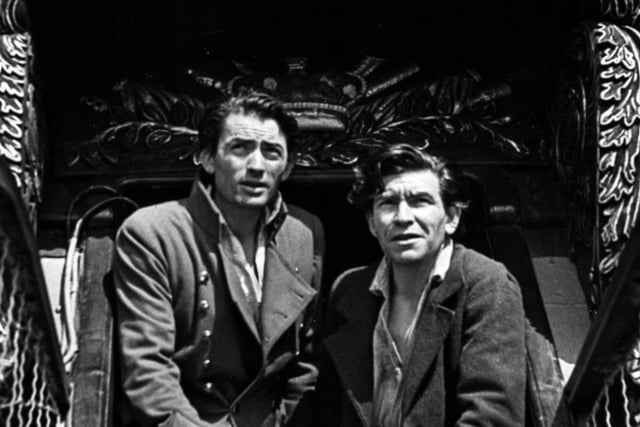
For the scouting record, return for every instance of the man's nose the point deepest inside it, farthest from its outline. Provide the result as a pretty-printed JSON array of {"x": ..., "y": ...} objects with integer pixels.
[
  {"x": 403, "y": 212},
  {"x": 255, "y": 161}
]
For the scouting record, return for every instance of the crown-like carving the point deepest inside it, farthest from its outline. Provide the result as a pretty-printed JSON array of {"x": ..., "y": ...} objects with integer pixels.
[{"x": 342, "y": 113}]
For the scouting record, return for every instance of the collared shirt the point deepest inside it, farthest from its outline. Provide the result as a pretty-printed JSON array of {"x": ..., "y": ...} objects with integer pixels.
[
  {"x": 388, "y": 356},
  {"x": 249, "y": 274}
]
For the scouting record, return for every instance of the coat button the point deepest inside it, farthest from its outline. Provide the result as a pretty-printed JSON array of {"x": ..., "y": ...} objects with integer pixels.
[
  {"x": 204, "y": 276},
  {"x": 208, "y": 387},
  {"x": 204, "y": 305},
  {"x": 206, "y": 363},
  {"x": 296, "y": 269},
  {"x": 234, "y": 408},
  {"x": 206, "y": 334}
]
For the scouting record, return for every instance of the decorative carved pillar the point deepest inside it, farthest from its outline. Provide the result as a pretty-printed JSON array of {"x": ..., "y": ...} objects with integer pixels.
[
  {"x": 597, "y": 146},
  {"x": 13, "y": 16},
  {"x": 622, "y": 12},
  {"x": 19, "y": 142}
]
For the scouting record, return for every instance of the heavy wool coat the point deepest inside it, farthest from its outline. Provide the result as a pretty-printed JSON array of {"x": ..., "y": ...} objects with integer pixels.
[
  {"x": 192, "y": 352},
  {"x": 467, "y": 366}
]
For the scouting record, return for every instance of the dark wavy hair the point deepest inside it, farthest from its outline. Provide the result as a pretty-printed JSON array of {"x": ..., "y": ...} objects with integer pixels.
[
  {"x": 399, "y": 158},
  {"x": 246, "y": 102}
]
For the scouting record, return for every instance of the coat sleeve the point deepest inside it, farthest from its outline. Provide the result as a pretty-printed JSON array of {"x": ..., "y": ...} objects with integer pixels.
[
  {"x": 146, "y": 331},
  {"x": 491, "y": 385},
  {"x": 301, "y": 380}
]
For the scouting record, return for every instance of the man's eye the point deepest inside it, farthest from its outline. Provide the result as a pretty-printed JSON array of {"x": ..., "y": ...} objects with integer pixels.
[
  {"x": 240, "y": 148},
  {"x": 421, "y": 201},
  {"x": 384, "y": 202},
  {"x": 272, "y": 152}
]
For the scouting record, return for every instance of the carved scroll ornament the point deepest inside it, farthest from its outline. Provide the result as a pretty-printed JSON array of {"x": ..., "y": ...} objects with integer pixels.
[
  {"x": 18, "y": 122},
  {"x": 621, "y": 12},
  {"x": 13, "y": 16},
  {"x": 341, "y": 115},
  {"x": 598, "y": 142}
]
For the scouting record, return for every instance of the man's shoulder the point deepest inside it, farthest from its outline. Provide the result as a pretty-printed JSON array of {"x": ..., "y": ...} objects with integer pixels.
[
  {"x": 298, "y": 220},
  {"x": 476, "y": 268},
  {"x": 471, "y": 260},
  {"x": 304, "y": 216},
  {"x": 156, "y": 217}
]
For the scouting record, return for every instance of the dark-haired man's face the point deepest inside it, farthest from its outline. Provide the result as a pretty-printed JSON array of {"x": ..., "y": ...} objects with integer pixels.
[
  {"x": 249, "y": 163},
  {"x": 409, "y": 218}
]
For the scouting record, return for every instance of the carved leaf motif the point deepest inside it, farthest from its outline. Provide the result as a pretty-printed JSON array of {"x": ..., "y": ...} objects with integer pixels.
[
  {"x": 158, "y": 138},
  {"x": 451, "y": 109},
  {"x": 619, "y": 141},
  {"x": 121, "y": 115},
  {"x": 129, "y": 138},
  {"x": 180, "y": 113}
]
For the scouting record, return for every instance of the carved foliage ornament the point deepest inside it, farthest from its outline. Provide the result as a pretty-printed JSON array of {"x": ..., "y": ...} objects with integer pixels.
[
  {"x": 18, "y": 126},
  {"x": 341, "y": 115},
  {"x": 598, "y": 142},
  {"x": 147, "y": 119},
  {"x": 625, "y": 12},
  {"x": 13, "y": 16},
  {"x": 619, "y": 142}
]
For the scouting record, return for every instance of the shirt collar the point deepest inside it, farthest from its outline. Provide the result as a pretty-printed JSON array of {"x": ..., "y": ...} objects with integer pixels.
[
  {"x": 380, "y": 283},
  {"x": 271, "y": 217}
]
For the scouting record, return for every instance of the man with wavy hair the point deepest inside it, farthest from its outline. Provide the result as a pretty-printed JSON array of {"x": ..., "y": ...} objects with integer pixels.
[
  {"x": 215, "y": 292},
  {"x": 433, "y": 335}
]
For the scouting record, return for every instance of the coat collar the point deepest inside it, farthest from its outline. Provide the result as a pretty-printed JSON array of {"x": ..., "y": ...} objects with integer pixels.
[
  {"x": 206, "y": 214},
  {"x": 351, "y": 346},
  {"x": 285, "y": 293}
]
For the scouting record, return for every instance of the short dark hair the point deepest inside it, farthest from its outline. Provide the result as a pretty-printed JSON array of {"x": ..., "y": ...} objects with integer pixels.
[
  {"x": 399, "y": 158},
  {"x": 245, "y": 102}
]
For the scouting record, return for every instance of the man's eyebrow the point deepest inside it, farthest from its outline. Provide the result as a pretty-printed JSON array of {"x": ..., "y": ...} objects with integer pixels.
[
  {"x": 408, "y": 193},
  {"x": 271, "y": 143},
  {"x": 388, "y": 194},
  {"x": 241, "y": 139}
]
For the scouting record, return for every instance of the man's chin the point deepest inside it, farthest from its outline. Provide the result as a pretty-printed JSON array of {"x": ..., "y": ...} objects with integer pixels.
[
  {"x": 408, "y": 257},
  {"x": 252, "y": 202}
]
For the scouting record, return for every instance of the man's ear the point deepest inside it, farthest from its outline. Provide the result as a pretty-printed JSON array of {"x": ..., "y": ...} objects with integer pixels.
[
  {"x": 206, "y": 161},
  {"x": 372, "y": 228},
  {"x": 453, "y": 219}
]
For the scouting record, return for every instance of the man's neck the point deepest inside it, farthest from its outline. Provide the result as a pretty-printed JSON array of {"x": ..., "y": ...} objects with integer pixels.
[
  {"x": 243, "y": 222},
  {"x": 409, "y": 279}
]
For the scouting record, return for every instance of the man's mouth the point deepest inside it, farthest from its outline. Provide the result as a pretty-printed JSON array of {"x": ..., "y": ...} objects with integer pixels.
[
  {"x": 254, "y": 188},
  {"x": 254, "y": 184},
  {"x": 405, "y": 237}
]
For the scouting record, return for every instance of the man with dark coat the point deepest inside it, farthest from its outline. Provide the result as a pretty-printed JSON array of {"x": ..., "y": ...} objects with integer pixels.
[
  {"x": 433, "y": 335},
  {"x": 215, "y": 292}
]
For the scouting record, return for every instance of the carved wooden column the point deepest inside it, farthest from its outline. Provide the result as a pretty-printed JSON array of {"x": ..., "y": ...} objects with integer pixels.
[
  {"x": 597, "y": 150},
  {"x": 19, "y": 140},
  {"x": 597, "y": 145}
]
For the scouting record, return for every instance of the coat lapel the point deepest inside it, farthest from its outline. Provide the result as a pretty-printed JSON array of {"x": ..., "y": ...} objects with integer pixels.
[
  {"x": 351, "y": 349},
  {"x": 432, "y": 328},
  {"x": 284, "y": 298},
  {"x": 239, "y": 298},
  {"x": 205, "y": 215}
]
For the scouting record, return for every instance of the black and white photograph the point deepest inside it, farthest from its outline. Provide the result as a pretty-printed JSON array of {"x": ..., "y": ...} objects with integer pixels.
[{"x": 320, "y": 214}]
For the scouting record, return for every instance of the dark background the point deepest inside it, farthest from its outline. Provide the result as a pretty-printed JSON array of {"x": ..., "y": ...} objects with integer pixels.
[{"x": 82, "y": 43}]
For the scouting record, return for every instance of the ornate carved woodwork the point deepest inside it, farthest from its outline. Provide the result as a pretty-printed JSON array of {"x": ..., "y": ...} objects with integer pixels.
[
  {"x": 625, "y": 12},
  {"x": 19, "y": 140},
  {"x": 341, "y": 115},
  {"x": 13, "y": 16},
  {"x": 597, "y": 143},
  {"x": 33, "y": 385}
]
